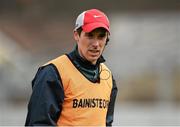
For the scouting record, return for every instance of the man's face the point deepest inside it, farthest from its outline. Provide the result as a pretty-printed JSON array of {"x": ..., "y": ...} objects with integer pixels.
[{"x": 91, "y": 45}]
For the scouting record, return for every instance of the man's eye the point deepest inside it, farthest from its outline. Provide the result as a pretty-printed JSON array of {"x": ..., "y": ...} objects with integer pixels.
[
  {"x": 101, "y": 36},
  {"x": 90, "y": 35}
]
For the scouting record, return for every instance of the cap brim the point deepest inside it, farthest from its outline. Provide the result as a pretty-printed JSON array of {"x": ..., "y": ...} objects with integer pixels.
[{"x": 90, "y": 27}]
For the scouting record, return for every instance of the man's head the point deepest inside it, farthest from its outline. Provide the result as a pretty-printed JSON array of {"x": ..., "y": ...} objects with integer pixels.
[{"x": 91, "y": 34}]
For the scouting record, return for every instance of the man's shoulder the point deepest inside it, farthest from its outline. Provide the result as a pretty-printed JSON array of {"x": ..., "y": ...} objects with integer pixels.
[{"x": 46, "y": 69}]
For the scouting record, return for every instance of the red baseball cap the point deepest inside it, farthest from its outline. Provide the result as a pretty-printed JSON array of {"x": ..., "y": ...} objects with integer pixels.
[{"x": 92, "y": 19}]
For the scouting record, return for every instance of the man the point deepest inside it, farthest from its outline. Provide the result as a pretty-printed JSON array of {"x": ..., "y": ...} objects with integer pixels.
[{"x": 76, "y": 89}]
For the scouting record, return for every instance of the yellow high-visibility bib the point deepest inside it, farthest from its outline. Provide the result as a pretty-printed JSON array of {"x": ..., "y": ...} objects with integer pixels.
[{"x": 85, "y": 102}]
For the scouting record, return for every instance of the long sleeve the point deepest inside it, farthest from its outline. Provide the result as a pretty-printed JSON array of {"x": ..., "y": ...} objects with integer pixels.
[
  {"x": 110, "y": 112},
  {"x": 45, "y": 104}
]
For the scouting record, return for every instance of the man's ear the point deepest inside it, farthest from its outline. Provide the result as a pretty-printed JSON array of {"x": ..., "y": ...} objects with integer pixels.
[
  {"x": 76, "y": 36},
  {"x": 107, "y": 40}
]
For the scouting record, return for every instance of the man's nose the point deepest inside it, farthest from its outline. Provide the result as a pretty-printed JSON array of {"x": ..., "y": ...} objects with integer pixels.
[{"x": 95, "y": 42}]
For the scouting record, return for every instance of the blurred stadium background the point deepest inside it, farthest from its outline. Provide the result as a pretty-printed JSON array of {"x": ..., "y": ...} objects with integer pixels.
[{"x": 143, "y": 54}]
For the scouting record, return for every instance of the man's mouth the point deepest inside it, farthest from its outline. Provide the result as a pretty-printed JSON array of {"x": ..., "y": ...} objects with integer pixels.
[{"x": 94, "y": 52}]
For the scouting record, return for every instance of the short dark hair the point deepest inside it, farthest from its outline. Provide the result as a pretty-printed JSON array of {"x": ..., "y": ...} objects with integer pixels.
[{"x": 79, "y": 30}]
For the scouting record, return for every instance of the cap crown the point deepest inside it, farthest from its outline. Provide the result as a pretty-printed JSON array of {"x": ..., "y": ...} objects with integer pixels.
[{"x": 92, "y": 19}]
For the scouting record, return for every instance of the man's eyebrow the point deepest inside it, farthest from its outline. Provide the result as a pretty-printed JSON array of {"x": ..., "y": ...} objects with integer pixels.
[
  {"x": 102, "y": 34},
  {"x": 89, "y": 34}
]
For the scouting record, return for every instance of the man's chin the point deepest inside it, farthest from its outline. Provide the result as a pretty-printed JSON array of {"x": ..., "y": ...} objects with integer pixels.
[{"x": 93, "y": 59}]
